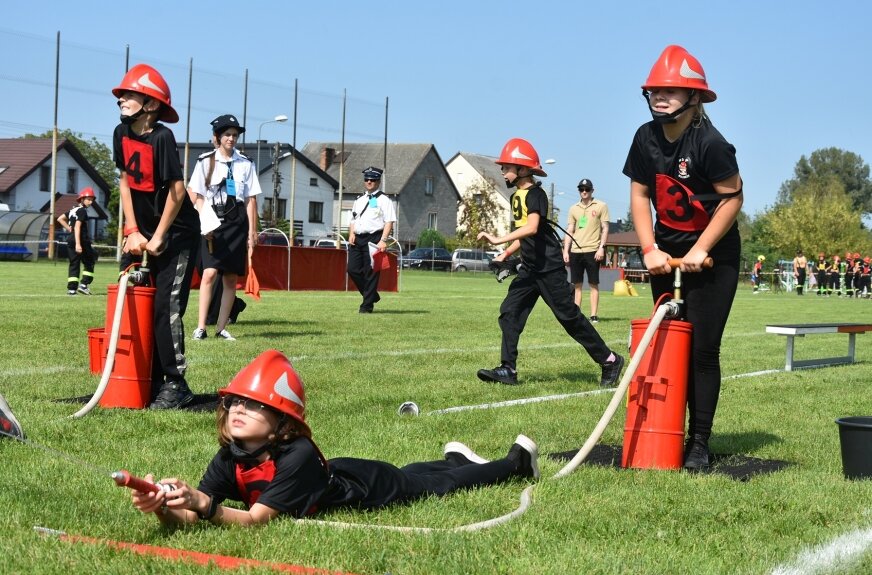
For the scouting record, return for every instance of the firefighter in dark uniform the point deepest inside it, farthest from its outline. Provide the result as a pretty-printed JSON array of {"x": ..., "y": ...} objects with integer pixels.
[
  {"x": 849, "y": 275},
  {"x": 269, "y": 462},
  {"x": 822, "y": 273},
  {"x": 680, "y": 163},
  {"x": 159, "y": 219},
  {"x": 542, "y": 273},
  {"x": 79, "y": 248},
  {"x": 373, "y": 216}
]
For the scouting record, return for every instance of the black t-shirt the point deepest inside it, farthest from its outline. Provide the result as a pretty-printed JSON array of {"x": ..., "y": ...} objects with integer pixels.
[
  {"x": 541, "y": 252},
  {"x": 290, "y": 482},
  {"x": 152, "y": 164},
  {"x": 674, "y": 173},
  {"x": 78, "y": 214}
]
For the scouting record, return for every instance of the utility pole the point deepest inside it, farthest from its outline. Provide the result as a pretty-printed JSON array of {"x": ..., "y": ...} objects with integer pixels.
[{"x": 277, "y": 186}]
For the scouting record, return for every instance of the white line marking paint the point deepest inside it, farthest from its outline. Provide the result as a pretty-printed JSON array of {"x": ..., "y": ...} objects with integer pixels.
[
  {"x": 517, "y": 401},
  {"x": 829, "y": 557}
]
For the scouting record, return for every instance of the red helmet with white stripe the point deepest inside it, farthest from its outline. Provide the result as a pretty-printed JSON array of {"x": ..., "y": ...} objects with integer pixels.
[
  {"x": 144, "y": 79},
  {"x": 677, "y": 68},
  {"x": 272, "y": 380},
  {"x": 521, "y": 153},
  {"x": 87, "y": 193}
]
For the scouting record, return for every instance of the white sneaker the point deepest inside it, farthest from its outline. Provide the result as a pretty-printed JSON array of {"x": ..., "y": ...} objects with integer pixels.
[
  {"x": 455, "y": 447},
  {"x": 199, "y": 334},
  {"x": 224, "y": 334}
]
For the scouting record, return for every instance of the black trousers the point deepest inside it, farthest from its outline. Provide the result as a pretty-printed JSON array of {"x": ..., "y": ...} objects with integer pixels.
[
  {"x": 708, "y": 297},
  {"x": 370, "y": 484},
  {"x": 524, "y": 291},
  {"x": 87, "y": 258},
  {"x": 360, "y": 269}
]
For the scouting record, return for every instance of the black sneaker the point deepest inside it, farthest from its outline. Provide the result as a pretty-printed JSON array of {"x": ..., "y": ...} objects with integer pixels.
[
  {"x": 199, "y": 333},
  {"x": 71, "y": 292},
  {"x": 460, "y": 454},
  {"x": 612, "y": 371},
  {"x": 173, "y": 395},
  {"x": 525, "y": 454},
  {"x": 83, "y": 289},
  {"x": 502, "y": 374},
  {"x": 8, "y": 424},
  {"x": 594, "y": 319},
  {"x": 697, "y": 457}
]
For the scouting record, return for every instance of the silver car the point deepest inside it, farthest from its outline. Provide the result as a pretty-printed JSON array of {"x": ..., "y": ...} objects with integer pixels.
[{"x": 470, "y": 260}]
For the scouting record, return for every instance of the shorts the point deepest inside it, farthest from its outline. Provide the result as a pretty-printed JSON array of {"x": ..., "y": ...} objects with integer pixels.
[{"x": 581, "y": 262}]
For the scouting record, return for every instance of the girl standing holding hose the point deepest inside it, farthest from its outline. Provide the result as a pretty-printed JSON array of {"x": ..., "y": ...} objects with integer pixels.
[{"x": 683, "y": 166}]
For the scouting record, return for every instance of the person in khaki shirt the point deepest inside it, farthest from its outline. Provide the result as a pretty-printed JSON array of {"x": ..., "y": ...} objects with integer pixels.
[{"x": 584, "y": 245}]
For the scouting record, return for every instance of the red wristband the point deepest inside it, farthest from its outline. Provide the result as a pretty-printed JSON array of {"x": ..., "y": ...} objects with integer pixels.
[
  {"x": 649, "y": 249},
  {"x": 130, "y": 230}
]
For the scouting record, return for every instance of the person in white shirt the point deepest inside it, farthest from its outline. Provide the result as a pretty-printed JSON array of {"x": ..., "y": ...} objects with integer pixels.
[
  {"x": 227, "y": 180},
  {"x": 373, "y": 217}
]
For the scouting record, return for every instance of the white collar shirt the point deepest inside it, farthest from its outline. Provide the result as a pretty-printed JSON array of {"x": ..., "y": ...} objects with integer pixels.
[
  {"x": 370, "y": 218},
  {"x": 247, "y": 184}
]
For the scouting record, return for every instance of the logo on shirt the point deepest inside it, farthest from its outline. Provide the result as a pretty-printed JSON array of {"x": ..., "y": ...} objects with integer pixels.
[{"x": 683, "y": 165}]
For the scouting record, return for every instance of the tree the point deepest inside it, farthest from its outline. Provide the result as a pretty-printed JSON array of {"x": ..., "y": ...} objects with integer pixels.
[
  {"x": 99, "y": 156},
  {"x": 430, "y": 238},
  {"x": 819, "y": 218},
  {"x": 627, "y": 224},
  {"x": 847, "y": 167},
  {"x": 479, "y": 211}
]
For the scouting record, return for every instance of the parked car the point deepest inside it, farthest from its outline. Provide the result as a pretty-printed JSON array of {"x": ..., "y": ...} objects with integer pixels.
[
  {"x": 470, "y": 260},
  {"x": 428, "y": 258},
  {"x": 328, "y": 243}
]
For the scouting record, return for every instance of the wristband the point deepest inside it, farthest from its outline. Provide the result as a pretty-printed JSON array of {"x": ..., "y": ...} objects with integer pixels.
[
  {"x": 649, "y": 249},
  {"x": 130, "y": 230},
  {"x": 210, "y": 511}
]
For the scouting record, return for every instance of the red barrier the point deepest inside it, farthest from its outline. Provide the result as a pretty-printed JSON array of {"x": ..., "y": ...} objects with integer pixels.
[{"x": 311, "y": 269}]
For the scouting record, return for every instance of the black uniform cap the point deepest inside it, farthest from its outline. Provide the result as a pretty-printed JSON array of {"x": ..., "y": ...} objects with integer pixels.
[
  {"x": 586, "y": 184},
  {"x": 221, "y": 123},
  {"x": 372, "y": 173}
]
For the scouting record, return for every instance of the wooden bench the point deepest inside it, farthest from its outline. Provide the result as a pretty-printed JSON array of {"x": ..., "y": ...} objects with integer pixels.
[{"x": 803, "y": 329}]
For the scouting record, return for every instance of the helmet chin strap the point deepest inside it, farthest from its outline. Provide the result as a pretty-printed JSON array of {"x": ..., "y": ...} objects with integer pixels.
[
  {"x": 664, "y": 118},
  {"x": 131, "y": 119}
]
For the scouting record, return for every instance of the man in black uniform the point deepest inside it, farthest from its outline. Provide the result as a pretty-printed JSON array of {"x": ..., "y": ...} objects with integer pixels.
[{"x": 542, "y": 273}]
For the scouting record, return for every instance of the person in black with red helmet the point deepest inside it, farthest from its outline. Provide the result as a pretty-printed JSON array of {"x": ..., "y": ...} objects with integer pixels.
[
  {"x": 680, "y": 163},
  {"x": 159, "y": 219}
]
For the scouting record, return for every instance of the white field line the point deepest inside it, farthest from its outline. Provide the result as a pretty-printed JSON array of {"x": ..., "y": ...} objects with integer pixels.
[
  {"x": 518, "y": 401},
  {"x": 829, "y": 557}
]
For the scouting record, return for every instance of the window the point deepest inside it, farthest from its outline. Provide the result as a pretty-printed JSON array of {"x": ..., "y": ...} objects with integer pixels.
[
  {"x": 428, "y": 186},
  {"x": 45, "y": 179},
  {"x": 477, "y": 199},
  {"x": 431, "y": 221},
  {"x": 266, "y": 211},
  {"x": 316, "y": 212},
  {"x": 72, "y": 181},
  {"x": 313, "y": 182}
]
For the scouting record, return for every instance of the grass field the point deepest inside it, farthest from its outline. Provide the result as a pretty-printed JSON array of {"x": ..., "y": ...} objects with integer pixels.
[{"x": 425, "y": 344}]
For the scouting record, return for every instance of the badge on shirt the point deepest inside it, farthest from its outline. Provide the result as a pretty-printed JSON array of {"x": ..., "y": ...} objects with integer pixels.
[{"x": 231, "y": 188}]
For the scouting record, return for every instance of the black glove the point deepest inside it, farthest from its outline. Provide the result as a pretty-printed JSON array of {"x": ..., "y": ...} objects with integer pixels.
[{"x": 505, "y": 268}]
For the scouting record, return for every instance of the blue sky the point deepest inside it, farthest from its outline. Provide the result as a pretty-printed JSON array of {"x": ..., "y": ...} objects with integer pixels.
[{"x": 791, "y": 77}]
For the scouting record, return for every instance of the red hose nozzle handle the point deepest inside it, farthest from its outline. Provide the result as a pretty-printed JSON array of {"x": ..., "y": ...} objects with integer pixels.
[
  {"x": 676, "y": 262},
  {"x": 124, "y": 479}
]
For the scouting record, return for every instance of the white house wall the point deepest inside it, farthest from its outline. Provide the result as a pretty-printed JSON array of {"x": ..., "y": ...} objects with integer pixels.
[
  {"x": 304, "y": 194},
  {"x": 463, "y": 174}
]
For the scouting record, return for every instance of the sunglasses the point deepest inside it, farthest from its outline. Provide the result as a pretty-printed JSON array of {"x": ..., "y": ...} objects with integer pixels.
[
  {"x": 230, "y": 401},
  {"x": 369, "y": 180}
]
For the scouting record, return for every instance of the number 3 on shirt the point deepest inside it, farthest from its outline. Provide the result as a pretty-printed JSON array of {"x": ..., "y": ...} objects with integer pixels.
[{"x": 676, "y": 207}]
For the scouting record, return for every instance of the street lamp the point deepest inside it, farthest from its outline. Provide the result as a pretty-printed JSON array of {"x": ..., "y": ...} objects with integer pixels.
[
  {"x": 279, "y": 118},
  {"x": 551, "y": 161}
]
